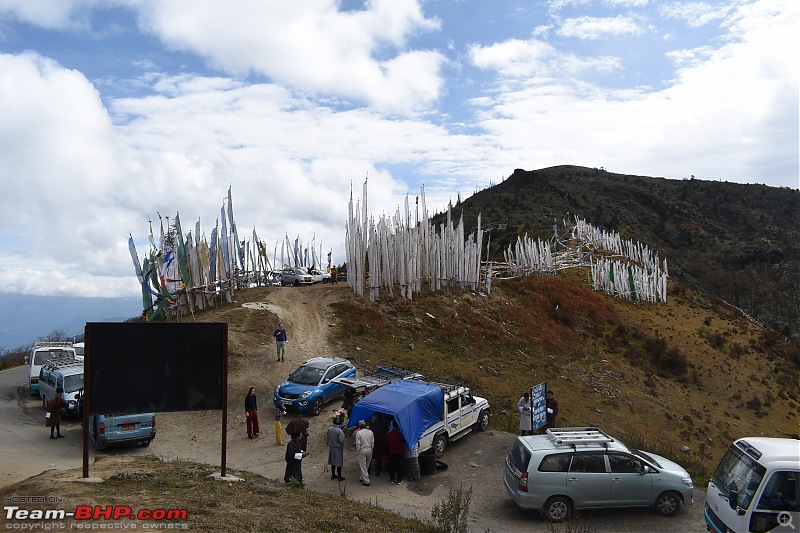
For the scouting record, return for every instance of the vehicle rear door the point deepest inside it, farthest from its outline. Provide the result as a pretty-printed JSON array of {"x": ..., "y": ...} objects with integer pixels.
[
  {"x": 588, "y": 482},
  {"x": 629, "y": 484}
]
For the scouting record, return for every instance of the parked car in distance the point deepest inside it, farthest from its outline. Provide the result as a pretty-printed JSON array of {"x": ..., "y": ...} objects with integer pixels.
[
  {"x": 65, "y": 373},
  {"x": 570, "y": 469},
  {"x": 43, "y": 352},
  {"x": 122, "y": 429},
  {"x": 319, "y": 276},
  {"x": 310, "y": 387},
  {"x": 296, "y": 276}
]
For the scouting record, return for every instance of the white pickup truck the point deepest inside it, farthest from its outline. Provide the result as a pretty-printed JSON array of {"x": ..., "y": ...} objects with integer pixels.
[{"x": 429, "y": 413}]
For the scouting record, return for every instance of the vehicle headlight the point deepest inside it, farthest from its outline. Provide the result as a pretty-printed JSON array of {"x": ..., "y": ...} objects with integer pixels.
[
  {"x": 688, "y": 482},
  {"x": 306, "y": 394}
]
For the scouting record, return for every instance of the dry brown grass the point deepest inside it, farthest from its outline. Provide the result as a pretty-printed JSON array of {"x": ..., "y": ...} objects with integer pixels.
[
  {"x": 253, "y": 504},
  {"x": 687, "y": 373}
]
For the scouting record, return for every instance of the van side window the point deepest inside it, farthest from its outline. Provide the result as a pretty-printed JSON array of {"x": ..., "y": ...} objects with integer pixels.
[
  {"x": 557, "y": 462},
  {"x": 588, "y": 462},
  {"x": 781, "y": 493}
]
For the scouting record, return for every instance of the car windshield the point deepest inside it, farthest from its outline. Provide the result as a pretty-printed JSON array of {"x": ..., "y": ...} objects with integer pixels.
[
  {"x": 647, "y": 457},
  {"x": 73, "y": 383},
  {"x": 307, "y": 375},
  {"x": 641, "y": 454},
  {"x": 738, "y": 472}
]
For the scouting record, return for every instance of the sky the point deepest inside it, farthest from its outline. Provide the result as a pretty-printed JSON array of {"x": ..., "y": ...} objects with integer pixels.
[{"x": 114, "y": 113}]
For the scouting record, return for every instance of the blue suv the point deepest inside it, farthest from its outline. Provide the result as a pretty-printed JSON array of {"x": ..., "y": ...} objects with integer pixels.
[{"x": 309, "y": 387}]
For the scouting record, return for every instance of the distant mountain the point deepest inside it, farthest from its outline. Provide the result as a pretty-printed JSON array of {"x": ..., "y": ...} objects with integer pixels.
[
  {"x": 24, "y": 317},
  {"x": 738, "y": 242}
]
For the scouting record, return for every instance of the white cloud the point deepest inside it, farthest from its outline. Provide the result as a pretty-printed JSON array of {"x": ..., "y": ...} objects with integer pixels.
[
  {"x": 311, "y": 45},
  {"x": 589, "y": 28},
  {"x": 53, "y": 14},
  {"x": 696, "y": 14},
  {"x": 522, "y": 59},
  {"x": 625, "y": 3}
]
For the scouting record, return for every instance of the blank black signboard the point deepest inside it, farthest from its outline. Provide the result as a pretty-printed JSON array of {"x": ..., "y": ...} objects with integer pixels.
[{"x": 162, "y": 367}]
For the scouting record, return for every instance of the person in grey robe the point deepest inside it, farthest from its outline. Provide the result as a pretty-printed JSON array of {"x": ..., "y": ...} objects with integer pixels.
[{"x": 336, "y": 449}]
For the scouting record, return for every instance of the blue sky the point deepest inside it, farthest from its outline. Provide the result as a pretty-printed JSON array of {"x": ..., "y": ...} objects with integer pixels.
[{"x": 113, "y": 111}]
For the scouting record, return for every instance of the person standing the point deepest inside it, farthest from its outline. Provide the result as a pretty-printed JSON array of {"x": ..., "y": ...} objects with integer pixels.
[
  {"x": 299, "y": 425},
  {"x": 251, "y": 413},
  {"x": 552, "y": 409},
  {"x": 294, "y": 458},
  {"x": 53, "y": 420},
  {"x": 336, "y": 449},
  {"x": 395, "y": 447},
  {"x": 365, "y": 442},
  {"x": 524, "y": 408},
  {"x": 378, "y": 427},
  {"x": 280, "y": 340},
  {"x": 334, "y": 273},
  {"x": 279, "y": 412}
]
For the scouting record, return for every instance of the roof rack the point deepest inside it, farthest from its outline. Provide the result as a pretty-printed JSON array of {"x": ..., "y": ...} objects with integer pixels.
[
  {"x": 447, "y": 388},
  {"x": 63, "y": 362},
  {"x": 579, "y": 435},
  {"x": 389, "y": 373},
  {"x": 57, "y": 344}
]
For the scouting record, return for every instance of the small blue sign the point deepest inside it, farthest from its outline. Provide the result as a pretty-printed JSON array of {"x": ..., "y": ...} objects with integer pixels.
[{"x": 539, "y": 403}]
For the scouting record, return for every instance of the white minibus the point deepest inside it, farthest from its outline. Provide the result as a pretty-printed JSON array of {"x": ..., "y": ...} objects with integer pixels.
[
  {"x": 755, "y": 487},
  {"x": 43, "y": 352}
]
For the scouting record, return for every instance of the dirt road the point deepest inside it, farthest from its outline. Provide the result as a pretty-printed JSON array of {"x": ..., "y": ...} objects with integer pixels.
[{"x": 475, "y": 461}]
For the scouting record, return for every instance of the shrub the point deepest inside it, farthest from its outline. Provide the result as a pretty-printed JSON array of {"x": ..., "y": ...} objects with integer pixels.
[{"x": 451, "y": 515}]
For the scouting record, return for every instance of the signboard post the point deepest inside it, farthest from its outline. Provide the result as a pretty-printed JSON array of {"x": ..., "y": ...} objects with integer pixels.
[{"x": 539, "y": 406}]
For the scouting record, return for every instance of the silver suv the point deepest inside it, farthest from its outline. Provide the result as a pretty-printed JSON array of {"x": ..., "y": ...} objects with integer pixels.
[
  {"x": 296, "y": 276},
  {"x": 583, "y": 468}
]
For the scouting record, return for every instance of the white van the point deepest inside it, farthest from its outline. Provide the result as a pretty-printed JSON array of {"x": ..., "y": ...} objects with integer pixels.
[
  {"x": 79, "y": 347},
  {"x": 755, "y": 487},
  {"x": 64, "y": 373},
  {"x": 43, "y": 352}
]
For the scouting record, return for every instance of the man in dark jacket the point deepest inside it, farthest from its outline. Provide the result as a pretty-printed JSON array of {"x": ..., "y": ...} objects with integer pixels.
[
  {"x": 280, "y": 341},
  {"x": 299, "y": 425},
  {"x": 552, "y": 409},
  {"x": 294, "y": 458}
]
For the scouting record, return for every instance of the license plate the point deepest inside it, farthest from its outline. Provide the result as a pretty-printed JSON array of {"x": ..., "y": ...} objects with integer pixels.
[{"x": 128, "y": 427}]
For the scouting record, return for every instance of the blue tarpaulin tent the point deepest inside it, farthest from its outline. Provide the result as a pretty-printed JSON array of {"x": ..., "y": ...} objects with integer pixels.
[{"x": 415, "y": 405}]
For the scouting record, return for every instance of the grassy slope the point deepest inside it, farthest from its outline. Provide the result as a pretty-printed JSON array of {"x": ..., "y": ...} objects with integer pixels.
[{"x": 661, "y": 376}]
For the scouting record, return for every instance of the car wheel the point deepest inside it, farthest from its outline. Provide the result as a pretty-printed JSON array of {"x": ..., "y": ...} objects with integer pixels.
[
  {"x": 557, "y": 509},
  {"x": 283, "y": 284},
  {"x": 316, "y": 407},
  {"x": 297, "y": 283},
  {"x": 483, "y": 420},
  {"x": 668, "y": 503},
  {"x": 146, "y": 443},
  {"x": 439, "y": 444}
]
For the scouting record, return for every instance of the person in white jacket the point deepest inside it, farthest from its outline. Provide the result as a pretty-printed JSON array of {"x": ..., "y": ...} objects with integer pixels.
[
  {"x": 524, "y": 408},
  {"x": 365, "y": 442}
]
